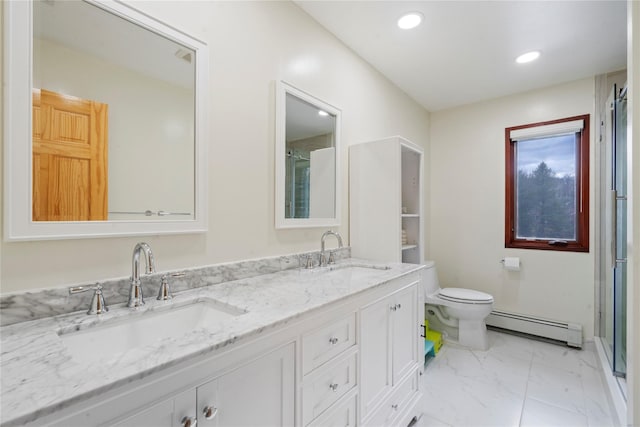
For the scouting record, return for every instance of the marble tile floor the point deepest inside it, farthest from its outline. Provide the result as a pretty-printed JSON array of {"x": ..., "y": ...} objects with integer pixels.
[{"x": 517, "y": 382}]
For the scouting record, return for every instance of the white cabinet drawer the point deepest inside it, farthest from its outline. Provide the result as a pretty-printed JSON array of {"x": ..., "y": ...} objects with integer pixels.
[
  {"x": 327, "y": 385},
  {"x": 397, "y": 403},
  {"x": 330, "y": 340},
  {"x": 343, "y": 414}
]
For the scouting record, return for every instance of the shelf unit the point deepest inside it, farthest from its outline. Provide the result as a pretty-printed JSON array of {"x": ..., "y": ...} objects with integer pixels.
[{"x": 386, "y": 198}]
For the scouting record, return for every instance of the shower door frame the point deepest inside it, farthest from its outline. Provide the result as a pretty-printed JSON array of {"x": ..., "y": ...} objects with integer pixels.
[{"x": 612, "y": 226}]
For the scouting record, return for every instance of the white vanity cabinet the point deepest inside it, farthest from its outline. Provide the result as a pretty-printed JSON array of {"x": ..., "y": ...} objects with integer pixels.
[
  {"x": 329, "y": 367},
  {"x": 258, "y": 392},
  {"x": 354, "y": 361},
  {"x": 385, "y": 200},
  {"x": 390, "y": 358},
  {"x": 178, "y": 410}
]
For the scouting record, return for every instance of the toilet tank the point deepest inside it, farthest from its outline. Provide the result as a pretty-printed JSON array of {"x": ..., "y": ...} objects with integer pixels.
[{"x": 430, "y": 278}]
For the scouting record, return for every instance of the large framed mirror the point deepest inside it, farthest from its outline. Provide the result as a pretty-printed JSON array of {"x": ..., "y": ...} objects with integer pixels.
[
  {"x": 104, "y": 130},
  {"x": 307, "y": 192}
]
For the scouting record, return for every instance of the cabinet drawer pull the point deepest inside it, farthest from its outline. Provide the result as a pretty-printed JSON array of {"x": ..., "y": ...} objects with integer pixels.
[
  {"x": 209, "y": 412},
  {"x": 333, "y": 386},
  {"x": 189, "y": 421},
  {"x": 333, "y": 340}
]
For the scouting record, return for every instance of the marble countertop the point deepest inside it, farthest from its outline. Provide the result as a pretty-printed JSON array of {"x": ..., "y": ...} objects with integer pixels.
[{"x": 40, "y": 376}]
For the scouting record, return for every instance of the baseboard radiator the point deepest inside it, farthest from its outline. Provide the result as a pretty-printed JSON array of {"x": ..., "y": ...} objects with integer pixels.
[{"x": 570, "y": 333}]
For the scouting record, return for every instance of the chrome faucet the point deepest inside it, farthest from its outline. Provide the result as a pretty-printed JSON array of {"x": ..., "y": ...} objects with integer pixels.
[
  {"x": 135, "y": 291},
  {"x": 323, "y": 257}
]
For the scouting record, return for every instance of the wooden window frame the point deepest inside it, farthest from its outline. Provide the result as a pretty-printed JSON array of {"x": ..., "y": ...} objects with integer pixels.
[{"x": 581, "y": 244}]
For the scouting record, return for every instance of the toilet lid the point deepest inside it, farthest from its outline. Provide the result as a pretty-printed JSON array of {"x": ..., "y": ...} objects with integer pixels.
[{"x": 465, "y": 295}]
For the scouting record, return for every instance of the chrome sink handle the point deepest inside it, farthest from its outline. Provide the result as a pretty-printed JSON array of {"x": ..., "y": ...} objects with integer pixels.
[
  {"x": 164, "y": 293},
  {"x": 323, "y": 257},
  {"x": 309, "y": 262},
  {"x": 98, "y": 304},
  {"x": 332, "y": 258}
]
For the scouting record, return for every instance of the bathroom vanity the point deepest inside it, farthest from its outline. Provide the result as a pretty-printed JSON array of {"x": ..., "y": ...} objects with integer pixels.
[{"x": 322, "y": 346}]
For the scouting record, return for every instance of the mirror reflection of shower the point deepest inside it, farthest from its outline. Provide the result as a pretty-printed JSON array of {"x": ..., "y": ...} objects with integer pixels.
[
  {"x": 310, "y": 160},
  {"x": 297, "y": 192}
]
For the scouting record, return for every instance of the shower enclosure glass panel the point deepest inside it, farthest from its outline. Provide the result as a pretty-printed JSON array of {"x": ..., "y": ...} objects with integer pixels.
[
  {"x": 613, "y": 302},
  {"x": 620, "y": 247}
]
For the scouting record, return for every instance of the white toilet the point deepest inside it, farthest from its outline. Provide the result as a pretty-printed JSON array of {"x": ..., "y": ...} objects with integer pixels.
[{"x": 458, "y": 312}]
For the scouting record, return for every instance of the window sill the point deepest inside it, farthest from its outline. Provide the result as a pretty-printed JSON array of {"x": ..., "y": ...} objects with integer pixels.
[{"x": 546, "y": 245}]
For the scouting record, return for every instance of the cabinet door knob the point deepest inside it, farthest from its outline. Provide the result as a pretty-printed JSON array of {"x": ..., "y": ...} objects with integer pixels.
[
  {"x": 393, "y": 308},
  {"x": 394, "y": 407},
  {"x": 333, "y": 386},
  {"x": 399, "y": 306},
  {"x": 333, "y": 340},
  {"x": 209, "y": 412},
  {"x": 189, "y": 421}
]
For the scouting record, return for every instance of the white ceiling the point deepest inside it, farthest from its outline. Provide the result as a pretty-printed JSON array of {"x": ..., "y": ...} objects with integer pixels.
[
  {"x": 303, "y": 120},
  {"x": 465, "y": 51},
  {"x": 86, "y": 28}
]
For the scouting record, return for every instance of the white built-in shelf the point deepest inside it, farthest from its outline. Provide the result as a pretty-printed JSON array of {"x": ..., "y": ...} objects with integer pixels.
[{"x": 385, "y": 199}]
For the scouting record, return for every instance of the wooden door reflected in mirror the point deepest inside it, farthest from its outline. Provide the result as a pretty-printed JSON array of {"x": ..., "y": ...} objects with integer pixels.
[{"x": 70, "y": 145}]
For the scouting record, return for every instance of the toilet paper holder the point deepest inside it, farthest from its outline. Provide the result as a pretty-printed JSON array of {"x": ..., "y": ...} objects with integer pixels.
[{"x": 511, "y": 263}]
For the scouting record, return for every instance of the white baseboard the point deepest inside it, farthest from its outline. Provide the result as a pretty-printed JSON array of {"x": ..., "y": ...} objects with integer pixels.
[{"x": 570, "y": 333}]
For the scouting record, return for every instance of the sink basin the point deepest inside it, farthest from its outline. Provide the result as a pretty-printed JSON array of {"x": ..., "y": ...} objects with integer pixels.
[
  {"x": 130, "y": 332},
  {"x": 355, "y": 267},
  {"x": 346, "y": 270}
]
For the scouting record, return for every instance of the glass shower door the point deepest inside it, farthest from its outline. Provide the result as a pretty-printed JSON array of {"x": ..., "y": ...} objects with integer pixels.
[
  {"x": 619, "y": 247},
  {"x": 613, "y": 324}
]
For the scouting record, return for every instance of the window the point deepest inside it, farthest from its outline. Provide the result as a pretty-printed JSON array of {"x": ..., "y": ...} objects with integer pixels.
[{"x": 547, "y": 185}]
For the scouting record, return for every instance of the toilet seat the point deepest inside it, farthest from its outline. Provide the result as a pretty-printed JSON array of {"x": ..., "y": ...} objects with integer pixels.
[{"x": 465, "y": 296}]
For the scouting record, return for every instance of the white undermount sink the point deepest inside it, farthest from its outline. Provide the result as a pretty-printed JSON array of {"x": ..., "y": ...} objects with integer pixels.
[
  {"x": 355, "y": 266},
  {"x": 131, "y": 332}
]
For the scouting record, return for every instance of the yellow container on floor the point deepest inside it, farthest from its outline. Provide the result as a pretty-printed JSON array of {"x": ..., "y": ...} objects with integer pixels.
[{"x": 436, "y": 338}]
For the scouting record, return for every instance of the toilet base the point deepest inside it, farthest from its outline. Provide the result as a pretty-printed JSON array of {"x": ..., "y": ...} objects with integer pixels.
[
  {"x": 473, "y": 334},
  {"x": 467, "y": 333}
]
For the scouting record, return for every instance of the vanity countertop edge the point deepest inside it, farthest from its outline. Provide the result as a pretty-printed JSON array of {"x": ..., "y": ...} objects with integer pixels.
[{"x": 39, "y": 376}]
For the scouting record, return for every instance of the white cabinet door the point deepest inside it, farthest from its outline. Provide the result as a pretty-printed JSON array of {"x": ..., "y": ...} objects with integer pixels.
[
  {"x": 404, "y": 327},
  {"x": 179, "y": 410},
  {"x": 389, "y": 332},
  {"x": 258, "y": 393},
  {"x": 375, "y": 201},
  {"x": 375, "y": 354}
]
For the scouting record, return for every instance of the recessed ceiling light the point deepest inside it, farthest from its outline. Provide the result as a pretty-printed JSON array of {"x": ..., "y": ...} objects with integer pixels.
[
  {"x": 528, "y": 57},
  {"x": 410, "y": 20}
]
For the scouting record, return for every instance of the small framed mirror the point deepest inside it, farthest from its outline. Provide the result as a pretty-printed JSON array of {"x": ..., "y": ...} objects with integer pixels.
[
  {"x": 307, "y": 162},
  {"x": 104, "y": 122}
]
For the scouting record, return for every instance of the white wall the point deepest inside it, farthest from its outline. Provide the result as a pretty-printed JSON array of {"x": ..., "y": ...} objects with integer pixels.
[
  {"x": 466, "y": 231},
  {"x": 252, "y": 44}
]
